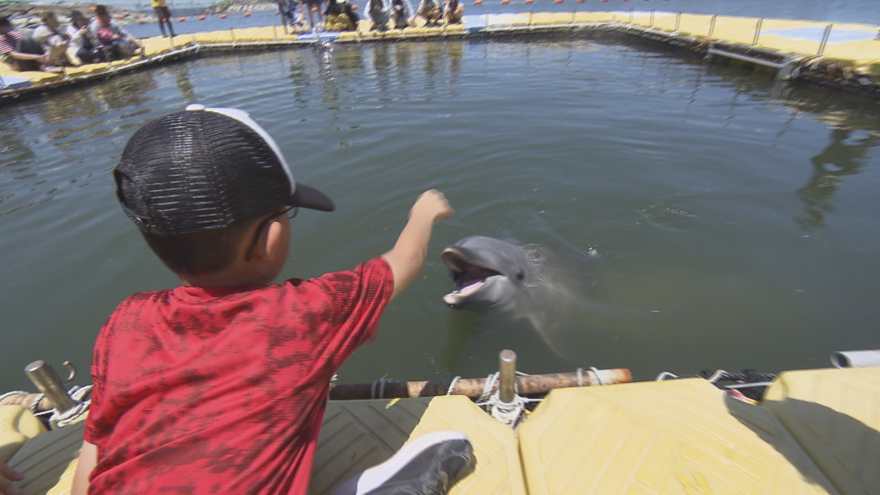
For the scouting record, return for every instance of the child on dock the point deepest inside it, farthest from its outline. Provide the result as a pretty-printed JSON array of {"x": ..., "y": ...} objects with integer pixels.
[{"x": 220, "y": 385}]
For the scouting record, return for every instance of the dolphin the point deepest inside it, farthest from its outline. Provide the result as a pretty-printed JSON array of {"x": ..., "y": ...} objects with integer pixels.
[{"x": 486, "y": 273}]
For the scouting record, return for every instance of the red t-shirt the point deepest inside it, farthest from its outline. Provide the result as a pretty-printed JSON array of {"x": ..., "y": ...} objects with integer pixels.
[{"x": 222, "y": 390}]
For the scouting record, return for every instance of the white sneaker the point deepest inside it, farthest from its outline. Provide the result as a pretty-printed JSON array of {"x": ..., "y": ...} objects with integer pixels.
[{"x": 428, "y": 465}]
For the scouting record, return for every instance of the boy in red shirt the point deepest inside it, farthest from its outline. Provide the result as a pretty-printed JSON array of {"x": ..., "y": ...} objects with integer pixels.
[{"x": 219, "y": 385}]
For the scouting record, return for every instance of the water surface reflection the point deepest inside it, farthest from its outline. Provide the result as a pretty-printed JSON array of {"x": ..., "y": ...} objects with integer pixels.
[{"x": 726, "y": 232}]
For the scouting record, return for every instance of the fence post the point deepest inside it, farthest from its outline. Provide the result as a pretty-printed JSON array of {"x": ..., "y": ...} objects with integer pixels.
[
  {"x": 757, "y": 31},
  {"x": 825, "y": 37}
]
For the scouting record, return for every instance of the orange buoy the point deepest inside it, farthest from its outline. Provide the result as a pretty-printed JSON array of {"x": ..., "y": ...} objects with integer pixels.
[
  {"x": 92, "y": 8},
  {"x": 247, "y": 14},
  {"x": 314, "y": 9},
  {"x": 558, "y": 1},
  {"x": 478, "y": 2},
  {"x": 223, "y": 15},
  {"x": 181, "y": 19},
  {"x": 201, "y": 18},
  {"x": 505, "y": 2},
  {"x": 120, "y": 16},
  {"x": 277, "y": 12},
  {"x": 354, "y": 7},
  {"x": 529, "y": 1},
  {"x": 141, "y": 21}
]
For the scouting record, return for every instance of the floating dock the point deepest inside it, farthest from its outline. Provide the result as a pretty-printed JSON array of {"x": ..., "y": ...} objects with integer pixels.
[
  {"x": 814, "y": 432},
  {"x": 840, "y": 56}
]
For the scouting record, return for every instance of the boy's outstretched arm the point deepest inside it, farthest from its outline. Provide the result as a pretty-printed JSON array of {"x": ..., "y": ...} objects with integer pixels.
[
  {"x": 88, "y": 459},
  {"x": 408, "y": 255}
]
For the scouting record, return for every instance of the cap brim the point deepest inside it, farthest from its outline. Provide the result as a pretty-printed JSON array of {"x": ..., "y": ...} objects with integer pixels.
[{"x": 309, "y": 197}]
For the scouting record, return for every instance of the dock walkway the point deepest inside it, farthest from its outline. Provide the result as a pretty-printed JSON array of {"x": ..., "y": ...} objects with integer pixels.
[{"x": 841, "y": 56}]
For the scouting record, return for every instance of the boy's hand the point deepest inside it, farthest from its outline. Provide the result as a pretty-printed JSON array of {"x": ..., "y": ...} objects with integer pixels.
[
  {"x": 7, "y": 476},
  {"x": 407, "y": 257},
  {"x": 433, "y": 205}
]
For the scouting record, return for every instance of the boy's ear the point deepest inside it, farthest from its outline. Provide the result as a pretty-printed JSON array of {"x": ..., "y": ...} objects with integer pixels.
[{"x": 269, "y": 241}]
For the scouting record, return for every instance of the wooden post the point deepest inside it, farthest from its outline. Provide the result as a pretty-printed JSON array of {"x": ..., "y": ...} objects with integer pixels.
[
  {"x": 507, "y": 370},
  {"x": 47, "y": 381}
]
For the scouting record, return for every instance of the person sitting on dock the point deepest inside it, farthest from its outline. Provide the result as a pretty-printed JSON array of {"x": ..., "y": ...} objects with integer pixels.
[
  {"x": 401, "y": 14},
  {"x": 83, "y": 43},
  {"x": 431, "y": 11},
  {"x": 53, "y": 40},
  {"x": 454, "y": 12},
  {"x": 312, "y": 6},
  {"x": 220, "y": 385},
  {"x": 22, "y": 53},
  {"x": 339, "y": 16},
  {"x": 115, "y": 41},
  {"x": 291, "y": 14},
  {"x": 378, "y": 15},
  {"x": 163, "y": 15}
]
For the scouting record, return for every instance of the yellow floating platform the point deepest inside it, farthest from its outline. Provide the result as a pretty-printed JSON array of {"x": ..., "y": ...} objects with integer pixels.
[
  {"x": 815, "y": 432},
  {"x": 851, "y": 48}
]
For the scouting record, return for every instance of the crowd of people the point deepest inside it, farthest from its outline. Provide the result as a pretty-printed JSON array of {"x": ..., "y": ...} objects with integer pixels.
[
  {"x": 51, "y": 46},
  {"x": 338, "y": 15},
  {"x": 399, "y": 14}
]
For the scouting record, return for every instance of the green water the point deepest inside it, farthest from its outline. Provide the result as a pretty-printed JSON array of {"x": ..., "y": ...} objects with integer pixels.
[{"x": 686, "y": 216}]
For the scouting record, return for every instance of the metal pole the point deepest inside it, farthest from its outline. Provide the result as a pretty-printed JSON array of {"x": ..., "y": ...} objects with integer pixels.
[
  {"x": 232, "y": 32},
  {"x": 757, "y": 31},
  {"x": 652, "y": 19},
  {"x": 712, "y": 25},
  {"x": 507, "y": 369},
  {"x": 631, "y": 9},
  {"x": 677, "y": 21},
  {"x": 49, "y": 383},
  {"x": 825, "y": 37}
]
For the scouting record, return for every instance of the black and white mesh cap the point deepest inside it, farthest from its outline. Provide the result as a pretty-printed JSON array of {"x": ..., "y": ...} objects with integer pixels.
[{"x": 205, "y": 168}]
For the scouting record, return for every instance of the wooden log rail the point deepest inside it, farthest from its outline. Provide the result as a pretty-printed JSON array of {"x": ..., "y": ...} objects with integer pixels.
[
  {"x": 526, "y": 385},
  {"x": 473, "y": 387}
]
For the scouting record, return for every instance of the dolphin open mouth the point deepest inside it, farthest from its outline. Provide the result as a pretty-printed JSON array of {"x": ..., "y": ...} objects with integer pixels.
[{"x": 467, "y": 275}]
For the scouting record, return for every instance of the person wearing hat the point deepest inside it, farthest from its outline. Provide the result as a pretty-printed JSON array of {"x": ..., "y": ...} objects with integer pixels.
[
  {"x": 82, "y": 42},
  {"x": 219, "y": 385}
]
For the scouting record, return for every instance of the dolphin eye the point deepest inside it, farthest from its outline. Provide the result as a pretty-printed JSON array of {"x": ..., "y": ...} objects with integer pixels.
[{"x": 520, "y": 276}]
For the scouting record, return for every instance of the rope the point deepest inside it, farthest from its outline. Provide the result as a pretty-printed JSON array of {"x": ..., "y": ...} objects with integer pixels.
[
  {"x": 580, "y": 377},
  {"x": 452, "y": 385},
  {"x": 665, "y": 375},
  {"x": 748, "y": 385},
  {"x": 716, "y": 376},
  {"x": 508, "y": 413},
  {"x": 33, "y": 407},
  {"x": 381, "y": 384},
  {"x": 598, "y": 378},
  {"x": 488, "y": 387},
  {"x": 83, "y": 398}
]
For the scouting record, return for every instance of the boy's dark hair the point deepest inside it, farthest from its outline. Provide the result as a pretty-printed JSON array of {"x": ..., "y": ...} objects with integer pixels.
[
  {"x": 208, "y": 251},
  {"x": 101, "y": 10},
  {"x": 4, "y": 22}
]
